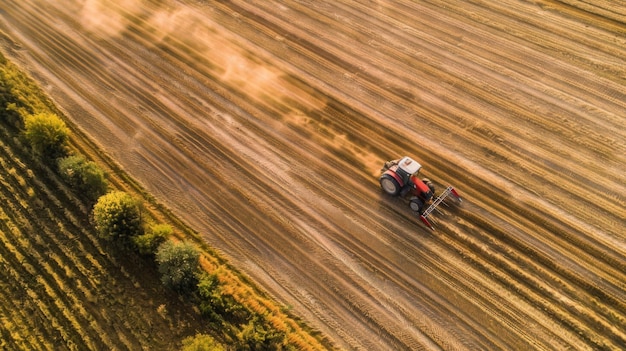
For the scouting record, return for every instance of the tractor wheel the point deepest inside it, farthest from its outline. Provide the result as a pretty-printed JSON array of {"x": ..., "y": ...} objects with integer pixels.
[
  {"x": 429, "y": 184},
  {"x": 389, "y": 184},
  {"x": 416, "y": 205}
]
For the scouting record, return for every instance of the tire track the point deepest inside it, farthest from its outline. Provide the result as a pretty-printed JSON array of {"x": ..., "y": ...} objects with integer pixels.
[{"x": 528, "y": 159}]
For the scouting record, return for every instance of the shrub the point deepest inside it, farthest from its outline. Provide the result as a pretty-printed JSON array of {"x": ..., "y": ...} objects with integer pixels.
[
  {"x": 257, "y": 335},
  {"x": 217, "y": 306},
  {"x": 12, "y": 104},
  {"x": 84, "y": 176},
  {"x": 178, "y": 265},
  {"x": 212, "y": 305},
  {"x": 149, "y": 242},
  {"x": 201, "y": 342},
  {"x": 117, "y": 217},
  {"x": 47, "y": 135},
  {"x": 20, "y": 96}
]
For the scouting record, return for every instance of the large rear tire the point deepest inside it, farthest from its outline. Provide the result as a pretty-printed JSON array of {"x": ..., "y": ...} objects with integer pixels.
[{"x": 390, "y": 185}]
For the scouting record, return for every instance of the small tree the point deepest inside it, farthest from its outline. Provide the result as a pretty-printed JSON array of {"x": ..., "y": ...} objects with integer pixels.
[
  {"x": 156, "y": 235},
  {"x": 201, "y": 342},
  {"x": 178, "y": 265},
  {"x": 84, "y": 176},
  {"x": 117, "y": 216},
  {"x": 47, "y": 135}
]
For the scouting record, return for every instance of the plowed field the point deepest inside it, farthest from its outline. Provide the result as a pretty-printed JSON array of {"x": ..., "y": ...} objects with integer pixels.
[{"x": 263, "y": 124}]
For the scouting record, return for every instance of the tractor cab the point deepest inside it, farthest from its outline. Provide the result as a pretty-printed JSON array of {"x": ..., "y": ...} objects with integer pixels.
[{"x": 408, "y": 168}]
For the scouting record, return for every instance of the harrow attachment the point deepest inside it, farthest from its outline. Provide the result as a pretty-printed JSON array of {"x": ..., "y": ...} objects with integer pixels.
[{"x": 449, "y": 192}]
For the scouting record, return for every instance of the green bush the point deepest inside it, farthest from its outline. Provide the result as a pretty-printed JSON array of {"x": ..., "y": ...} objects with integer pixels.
[
  {"x": 19, "y": 95},
  {"x": 258, "y": 335},
  {"x": 148, "y": 243},
  {"x": 9, "y": 110},
  {"x": 217, "y": 306},
  {"x": 179, "y": 265},
  {"x": 201, "y": 342},
  {"x": 117, "y": 217},
  {"x": 212, "y": 304},
  {"x": 84, "y": 176},
  {"x": 47, "y": 135},
  {"x": 13, "y": 104}
]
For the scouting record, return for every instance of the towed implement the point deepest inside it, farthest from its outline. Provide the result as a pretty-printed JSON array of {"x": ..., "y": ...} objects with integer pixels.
[{"x": 400, "y": 178}]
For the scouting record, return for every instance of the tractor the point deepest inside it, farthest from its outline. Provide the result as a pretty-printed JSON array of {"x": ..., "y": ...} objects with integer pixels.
[{"x": 400, "y": 178}]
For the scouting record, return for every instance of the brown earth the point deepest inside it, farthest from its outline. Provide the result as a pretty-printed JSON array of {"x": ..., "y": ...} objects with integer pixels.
[{"x": 264, "y": 124}]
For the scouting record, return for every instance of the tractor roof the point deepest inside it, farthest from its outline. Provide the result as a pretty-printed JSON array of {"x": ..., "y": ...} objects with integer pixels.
[{"x": 409, "y": 165}]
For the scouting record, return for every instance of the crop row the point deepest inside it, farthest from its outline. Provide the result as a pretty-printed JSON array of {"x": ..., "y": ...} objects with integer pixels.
[
  {"x": 61, "y": 282},
  {"x": 40, "y": 245}
]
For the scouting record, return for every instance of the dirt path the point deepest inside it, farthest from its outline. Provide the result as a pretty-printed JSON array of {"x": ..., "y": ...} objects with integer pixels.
[{"x": 264, "y": 123}]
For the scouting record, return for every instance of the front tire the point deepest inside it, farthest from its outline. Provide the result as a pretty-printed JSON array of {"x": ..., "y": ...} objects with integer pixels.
[
  {"x": 389, "y": 185},
  {"x": 416, "y": 205}
]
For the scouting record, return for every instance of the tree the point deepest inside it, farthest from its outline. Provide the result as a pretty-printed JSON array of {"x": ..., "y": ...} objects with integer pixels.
[
  {"x": 178, "y": 265},
  {"x": 47, "y": 135},
  {"x": 117, "y": 216},
  {"x": 84, "y": 176},
  {"x": 201, "y": 342},
  {"x": 156, "y": 235}
]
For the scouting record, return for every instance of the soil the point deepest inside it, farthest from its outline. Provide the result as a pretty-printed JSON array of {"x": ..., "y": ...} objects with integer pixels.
[{"x": 264, "y": 125}]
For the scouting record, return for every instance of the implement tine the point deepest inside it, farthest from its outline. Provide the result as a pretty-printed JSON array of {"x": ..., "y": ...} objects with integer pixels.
[{"x": 433, "y": 207}]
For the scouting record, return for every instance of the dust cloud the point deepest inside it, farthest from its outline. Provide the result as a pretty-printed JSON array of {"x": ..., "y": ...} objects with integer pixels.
[
  {"x": 108, "y": 18},
  {"x": 194, "y": 31}
]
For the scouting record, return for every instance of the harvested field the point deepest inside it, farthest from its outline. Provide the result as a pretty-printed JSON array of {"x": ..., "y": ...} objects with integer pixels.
[{"x": 263, "y": 124}]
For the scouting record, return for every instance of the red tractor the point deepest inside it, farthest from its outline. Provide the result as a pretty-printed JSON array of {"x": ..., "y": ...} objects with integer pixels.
[{"x": 400, "y": 178}]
